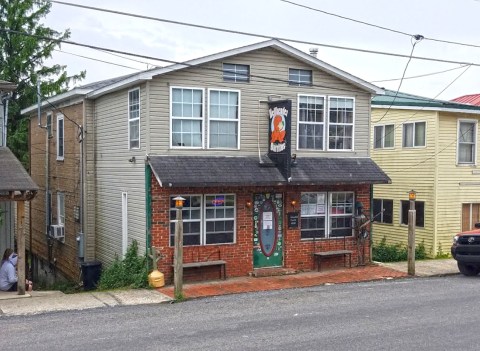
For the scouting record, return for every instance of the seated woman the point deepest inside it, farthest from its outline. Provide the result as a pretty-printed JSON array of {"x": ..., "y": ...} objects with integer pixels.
[{"x": 8, "y": 272}]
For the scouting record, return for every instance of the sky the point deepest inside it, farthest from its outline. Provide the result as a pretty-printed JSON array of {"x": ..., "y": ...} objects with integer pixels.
[{"x": 445, "y": 20}]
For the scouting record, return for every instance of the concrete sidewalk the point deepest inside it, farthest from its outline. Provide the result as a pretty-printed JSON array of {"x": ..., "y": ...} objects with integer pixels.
[{"x": 50, "y": 301}]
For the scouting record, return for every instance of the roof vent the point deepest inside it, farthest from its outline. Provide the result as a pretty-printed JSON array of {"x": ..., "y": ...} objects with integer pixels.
[{"x": 313, "y": 52}]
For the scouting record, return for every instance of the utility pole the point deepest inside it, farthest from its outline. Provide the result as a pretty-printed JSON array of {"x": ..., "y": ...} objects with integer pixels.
[
  {"x": 412, "y": 218},
  {"x": 178, "y": 253}
]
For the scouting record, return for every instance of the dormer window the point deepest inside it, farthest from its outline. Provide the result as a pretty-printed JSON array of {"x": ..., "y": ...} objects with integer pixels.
[{"x": 236, "y": 73}]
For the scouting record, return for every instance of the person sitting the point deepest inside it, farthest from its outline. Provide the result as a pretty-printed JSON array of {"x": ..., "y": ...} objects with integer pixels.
[{"x": 8, "y": 273}]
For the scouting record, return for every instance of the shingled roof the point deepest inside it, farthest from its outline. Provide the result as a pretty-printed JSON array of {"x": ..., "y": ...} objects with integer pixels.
[
  {"x": 15, "y": 183},
  {"x": 202, "y": 171}
]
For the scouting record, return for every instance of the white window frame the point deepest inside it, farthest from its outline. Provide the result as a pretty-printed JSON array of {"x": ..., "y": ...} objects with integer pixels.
[
  {"x": 210, "y": 119},
  {"x": 60, "y": 117},
  {"x": 236, "y": 75},
  {"x": 61, "y": 208},
  {"x": 312, "y": 123},
  {"x": 383, "y": 127},
  {"x": 202, "y": 119},
  {"x": 299, "y": 83},
  {"x": 413, "y": 136},
  {"x": 329, "y": 124},
  {"x": 474, "y": 156},
  {"x": 133, "y": 119}
]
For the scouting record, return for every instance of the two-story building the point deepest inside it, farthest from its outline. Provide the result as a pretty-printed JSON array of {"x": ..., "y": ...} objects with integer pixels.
[
  {"x": 268, "y": 145},
  {"x": 429, "y": 146}
]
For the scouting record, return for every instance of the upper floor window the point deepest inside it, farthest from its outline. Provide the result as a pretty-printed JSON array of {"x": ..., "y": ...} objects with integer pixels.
[
  {"x": 60, "y": 138},
  {"x": 60, "y": 208},
  {"x": 383, "y": 136},
  {"x": 186, "y": 117},
  {"x": 311, "y": 122},
  {"x": 224, "y": 119},
  {"x": 49, "y": 125},
  {"x": 134, "y": 119},
  {"x": 467, "y": 140},
  {"x": 414, "y": 134},
  {"x": 420, "y": 213},
  {"x": 236, "y": 73},
  {"x": 299, "y": 77},
  {"x": 341, "y": 118},
  {"x": 383, "y": 211}
]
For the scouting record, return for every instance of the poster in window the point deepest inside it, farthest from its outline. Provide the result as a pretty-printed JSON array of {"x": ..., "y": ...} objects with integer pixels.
[{"x": 321, "y": 203}]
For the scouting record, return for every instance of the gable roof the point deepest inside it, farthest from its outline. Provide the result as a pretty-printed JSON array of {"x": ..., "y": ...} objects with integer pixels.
[
  {"x": 13, "y": 177},
  {"x": 274, "y": 43},
  {"x": 408, "y": 101},
  {"x": 472, "y": 99}
]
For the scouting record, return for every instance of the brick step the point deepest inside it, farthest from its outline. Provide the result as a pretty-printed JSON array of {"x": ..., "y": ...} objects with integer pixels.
[{"x": 270, "y": 272}]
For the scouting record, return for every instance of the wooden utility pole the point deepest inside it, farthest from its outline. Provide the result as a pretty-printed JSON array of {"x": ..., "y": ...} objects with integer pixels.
[
  {"x": 21, "y": 247},
  {"x": 178, "y": 253},
  {"x": 412, "y": 218}
]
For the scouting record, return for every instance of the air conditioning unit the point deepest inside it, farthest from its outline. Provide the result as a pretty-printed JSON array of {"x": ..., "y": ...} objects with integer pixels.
[{"x": 57, "y": 231}]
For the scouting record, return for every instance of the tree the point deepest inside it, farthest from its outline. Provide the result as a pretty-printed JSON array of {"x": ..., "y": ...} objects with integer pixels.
[{"x": 25, "y": 44}]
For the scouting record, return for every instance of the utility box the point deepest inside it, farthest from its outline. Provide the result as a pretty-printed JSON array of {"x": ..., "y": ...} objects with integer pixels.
[{"x": 91, "y": 274}]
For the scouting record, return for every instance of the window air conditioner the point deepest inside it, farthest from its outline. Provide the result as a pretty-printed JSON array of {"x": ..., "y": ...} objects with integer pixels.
[{"x": 57, "y": 231}]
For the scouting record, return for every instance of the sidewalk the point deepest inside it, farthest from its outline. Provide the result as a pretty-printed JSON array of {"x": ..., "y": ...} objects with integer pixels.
[{"x": 50, "y": 301}]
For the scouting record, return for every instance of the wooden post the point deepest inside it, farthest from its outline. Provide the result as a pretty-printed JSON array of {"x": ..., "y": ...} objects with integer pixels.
[
  {"x": 178, "y": 256},
  {"x": 412, "y": 216},
  {"x": 21, "y": 246}
]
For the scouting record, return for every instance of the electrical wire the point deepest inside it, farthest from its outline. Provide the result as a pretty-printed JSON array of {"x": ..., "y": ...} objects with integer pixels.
[
  {"x": 98, "y": 60},
  {"x": 418, "y": 76}
]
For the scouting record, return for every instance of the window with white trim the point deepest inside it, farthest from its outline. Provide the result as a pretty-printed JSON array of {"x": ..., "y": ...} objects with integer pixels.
[
  {"x": 60, "y": 208},
  {"x": 134, "y": 119},
  {"x": 467, "y": 142},
  {"x": 299, "y": 76},
  {"x": 326, "y": 215},
  {"x": 224, "y": 118},
  {"x": 236, "y": 73},
  {"x": 420, "y": 213},
  {"x": 341, "y": 120},
  {"x": 414, "y": 134},
  {"x": 60, "y": 138},
  {"x": 186, "y": 117},
  {"x": 383, "y": 211},
  {"x": 207, "y": 219},
  {"x": 384, "y": 136},
  {"x": 311, "y": 122}
]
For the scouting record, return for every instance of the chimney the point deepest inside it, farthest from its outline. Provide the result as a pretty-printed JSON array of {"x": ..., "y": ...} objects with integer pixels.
[{"x": 313, "y": 52}]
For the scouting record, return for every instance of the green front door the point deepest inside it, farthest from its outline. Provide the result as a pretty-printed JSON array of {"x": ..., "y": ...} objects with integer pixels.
[{"x": 268, "y": 230}]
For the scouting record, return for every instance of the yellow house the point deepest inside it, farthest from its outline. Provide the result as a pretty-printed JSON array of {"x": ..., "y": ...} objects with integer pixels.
[{"x": 431, "y": 147}]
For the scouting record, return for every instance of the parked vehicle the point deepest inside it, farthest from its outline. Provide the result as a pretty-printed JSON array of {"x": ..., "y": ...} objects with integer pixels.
[{"x": 466, "y": 250}]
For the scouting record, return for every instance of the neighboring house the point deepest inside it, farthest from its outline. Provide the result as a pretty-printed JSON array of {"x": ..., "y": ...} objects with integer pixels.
[
  {"x": 472, "y": 99},
  {"x": 268, "y": 145},
  {"x": 430, "y": 146}
]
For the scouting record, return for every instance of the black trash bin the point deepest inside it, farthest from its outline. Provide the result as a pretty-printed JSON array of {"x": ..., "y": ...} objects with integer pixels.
[{"x": 91, "y": 274}]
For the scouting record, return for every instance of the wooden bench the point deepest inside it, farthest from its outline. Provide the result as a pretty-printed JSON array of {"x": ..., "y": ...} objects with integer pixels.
[
  {"x": 317, "y": 256},
  {"x": 221, "y": 263}
]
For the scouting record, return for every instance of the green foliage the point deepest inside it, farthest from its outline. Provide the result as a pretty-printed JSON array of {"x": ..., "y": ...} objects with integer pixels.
[
  {"x": 131, "y": 272},
  {"x": 25, "y": 44},
  {"x": 440, "y": 253},
  {"x": 394, "y": 253}
]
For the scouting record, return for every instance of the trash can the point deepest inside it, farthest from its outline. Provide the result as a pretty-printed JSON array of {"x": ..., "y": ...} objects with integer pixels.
[{"x": 91, "y": 274}]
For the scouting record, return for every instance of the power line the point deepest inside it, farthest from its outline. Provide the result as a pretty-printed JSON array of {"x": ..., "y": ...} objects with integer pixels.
[
  {"x": 419, "y": 76},
  {"x": 98, "y": 60}
]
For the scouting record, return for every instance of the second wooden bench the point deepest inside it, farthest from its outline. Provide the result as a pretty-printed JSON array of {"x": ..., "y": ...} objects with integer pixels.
[{"x": 317, "y": 256}]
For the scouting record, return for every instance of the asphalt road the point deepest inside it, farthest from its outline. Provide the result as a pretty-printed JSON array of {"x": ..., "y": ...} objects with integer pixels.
[{"x": 441, "y": 313}]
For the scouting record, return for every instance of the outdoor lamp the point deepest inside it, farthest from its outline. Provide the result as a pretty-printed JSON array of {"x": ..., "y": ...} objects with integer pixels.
[
  {"x": 293, "y": 203},
  {"x": 412, "y": 195},
  {"x": 179, "y": 201}
]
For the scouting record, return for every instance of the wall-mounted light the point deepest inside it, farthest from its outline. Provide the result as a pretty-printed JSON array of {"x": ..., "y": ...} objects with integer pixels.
[
  {"x": 248, "y": 204},
  {"x": 132, "y": 159},
  {"x": 293, "y": 203}
]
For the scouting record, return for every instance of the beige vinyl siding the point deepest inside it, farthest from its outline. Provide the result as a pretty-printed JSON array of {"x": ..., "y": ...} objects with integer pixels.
[
  {"x": 89, "y": 194},
  {"x": 408, "y": 168},
  {"x": 115, "y": 174},
  {"x": 267, "y": 63}
]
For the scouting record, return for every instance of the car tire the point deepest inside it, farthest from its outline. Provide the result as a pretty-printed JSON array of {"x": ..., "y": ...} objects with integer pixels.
[{"x": 467, "y": 269}]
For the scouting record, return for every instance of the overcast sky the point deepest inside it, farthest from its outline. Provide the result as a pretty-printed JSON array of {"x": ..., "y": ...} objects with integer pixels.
[{"x": 447, "y": 20}]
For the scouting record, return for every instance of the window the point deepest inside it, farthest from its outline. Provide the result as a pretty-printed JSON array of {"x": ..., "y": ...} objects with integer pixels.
[
  {"x": 187, "y": 117},
  {"x": 299, "y": 77},
  {"x": 208, "y": 219},
  {"x": 467, "y": 140},
  {"x": 341, "y": 119},
  {"x": 134, "y": 119},
  {"x": 420, "y": 215},
  {"x": 49, "y": 125},
  {"x": 320, "y": 219},
  {"x": 60, "y": 138},
  {"x": 383, "y": 211},
  {"x": 311, "y": 122},
  {"x": 224, "y": 119},
  {"x": 383, "y": 136},
  {"x": 414, "y": 134},
  {"x": 61, "y": 208},
  {"x": 236, "y": 73}
]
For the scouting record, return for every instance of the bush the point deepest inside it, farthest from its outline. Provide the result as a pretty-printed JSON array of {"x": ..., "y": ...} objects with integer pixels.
[
  {"x": 394, "y": 253},
  {"x": 131, "y": 272}
]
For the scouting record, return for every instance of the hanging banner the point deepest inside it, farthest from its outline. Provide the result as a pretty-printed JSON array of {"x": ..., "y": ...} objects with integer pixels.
[{"x": 280, "y": 129}]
